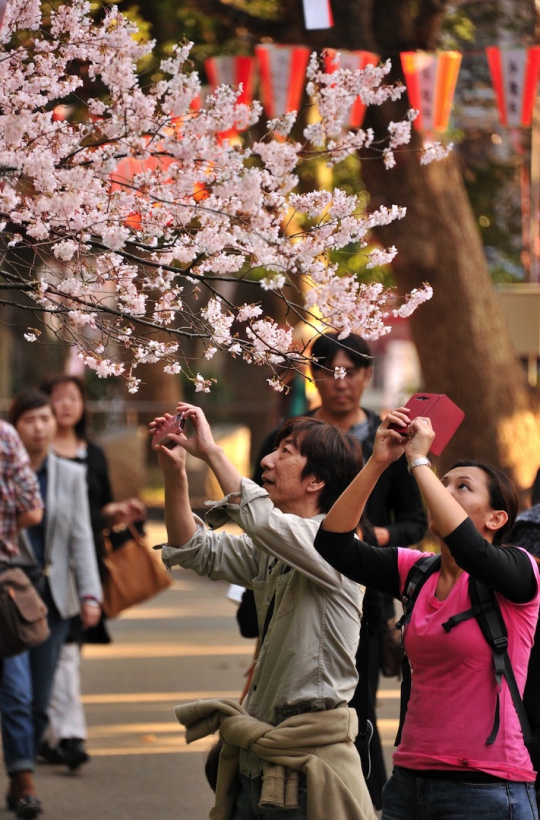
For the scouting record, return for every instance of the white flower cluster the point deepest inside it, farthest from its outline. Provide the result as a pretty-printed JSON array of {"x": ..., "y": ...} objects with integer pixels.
[
  {"x": 336, "y": 92},
  {"x": 219, "y": 322},
  {"x": 415, "y": 298},
  {"x": 435, "y": 151}
]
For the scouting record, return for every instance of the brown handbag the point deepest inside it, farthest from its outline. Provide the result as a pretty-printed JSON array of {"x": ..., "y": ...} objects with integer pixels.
[
  {"x": 23, "y": 614},
  {"x": 133, "y": 573}
]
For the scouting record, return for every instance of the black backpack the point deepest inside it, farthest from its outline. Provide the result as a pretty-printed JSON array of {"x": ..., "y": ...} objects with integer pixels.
[{"x": 487, "y": 612}]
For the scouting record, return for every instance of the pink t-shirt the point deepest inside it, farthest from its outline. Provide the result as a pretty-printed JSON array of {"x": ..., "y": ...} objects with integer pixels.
[{"x": 453, "y": 694}]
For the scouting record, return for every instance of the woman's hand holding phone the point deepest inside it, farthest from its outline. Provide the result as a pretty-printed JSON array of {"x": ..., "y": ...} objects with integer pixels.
[
  {"x": 388, "y": 446},
  {"x": 420, "y": 438}
]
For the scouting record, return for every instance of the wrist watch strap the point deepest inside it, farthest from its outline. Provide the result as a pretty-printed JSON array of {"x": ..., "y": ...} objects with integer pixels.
[{"x": 418, "y": 462}]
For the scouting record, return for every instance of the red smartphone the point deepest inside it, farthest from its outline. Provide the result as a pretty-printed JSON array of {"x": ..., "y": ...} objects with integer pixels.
[
  {"x": 174, "y": 425},
  {"x": 445, "y": 417}
]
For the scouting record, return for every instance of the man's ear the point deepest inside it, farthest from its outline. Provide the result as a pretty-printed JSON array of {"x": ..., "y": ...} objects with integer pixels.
[
  {"x": 496, "y": 519},
  {"x": 315, "y": 485},
  {"x": 367, "y": 375}
]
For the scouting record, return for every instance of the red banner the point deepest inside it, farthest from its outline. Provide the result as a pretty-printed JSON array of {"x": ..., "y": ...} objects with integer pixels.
[
  {"x": 431, "y": 82},
  {"x": 282, "y": 76},
  {"x": 514, "y": 72},
  {"x": 232, "y": 71},
  {"x": 352, "y": 60}
]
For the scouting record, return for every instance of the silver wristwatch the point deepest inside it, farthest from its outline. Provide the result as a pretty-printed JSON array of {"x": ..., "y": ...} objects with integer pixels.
[{"x": 418, "y": 463}]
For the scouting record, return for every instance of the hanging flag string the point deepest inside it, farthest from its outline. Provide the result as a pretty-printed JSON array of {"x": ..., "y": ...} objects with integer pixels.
[{"x": 431, "y": 78}]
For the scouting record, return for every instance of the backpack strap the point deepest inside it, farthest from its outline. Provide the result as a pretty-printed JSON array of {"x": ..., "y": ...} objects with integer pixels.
[
  {"x": 417, "y": 577},
  {"x": 485, "y": 608},
  {"x": 360, "y": 699}
]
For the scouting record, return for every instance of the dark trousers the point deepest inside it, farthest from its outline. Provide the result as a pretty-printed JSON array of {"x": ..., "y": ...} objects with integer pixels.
[{"x": 25, "y": 689}]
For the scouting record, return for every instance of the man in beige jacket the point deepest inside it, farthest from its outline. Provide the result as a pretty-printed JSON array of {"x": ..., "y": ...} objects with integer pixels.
[{"x": 309, "y": 618}]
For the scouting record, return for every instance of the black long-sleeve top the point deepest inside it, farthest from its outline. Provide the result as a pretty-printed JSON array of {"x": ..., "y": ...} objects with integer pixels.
[{"x": 506, "y": 570}]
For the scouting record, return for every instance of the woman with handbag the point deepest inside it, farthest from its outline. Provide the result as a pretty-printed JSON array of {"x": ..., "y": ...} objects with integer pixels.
[
  {"x": 67, "y": 726},
  {"x": 58, "y": 553},
  {"x": 461, "y": 754}
]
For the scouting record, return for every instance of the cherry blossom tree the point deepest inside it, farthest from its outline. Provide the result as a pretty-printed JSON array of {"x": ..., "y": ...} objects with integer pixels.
[
  {"x": 461, "y": 336},
  {"x": 140, "y": 200}
]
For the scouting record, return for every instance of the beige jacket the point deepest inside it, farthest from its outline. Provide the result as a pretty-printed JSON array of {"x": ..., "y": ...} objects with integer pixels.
[
  {"x": 307, "y": 660},
  {"x": 318, "y": 744}
]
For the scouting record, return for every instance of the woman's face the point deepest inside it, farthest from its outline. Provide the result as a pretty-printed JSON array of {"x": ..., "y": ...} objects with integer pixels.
[
  {"x": 469, "y": 487},
  {"x": 67, "y": 404}
]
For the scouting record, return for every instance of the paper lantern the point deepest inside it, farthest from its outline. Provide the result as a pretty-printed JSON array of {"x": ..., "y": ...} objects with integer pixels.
[
  {"x": 128, "y": 167},
  {"x": 122, "y": 179},
  {"x": 198, "y": 102},
  {"x": 282, "y": 72},
  {"x": 352, "y": 60},
  {"x": 514, "y": 72},
  {"x": 232, "y": 71},
  {"x": 431, "y": 81}
]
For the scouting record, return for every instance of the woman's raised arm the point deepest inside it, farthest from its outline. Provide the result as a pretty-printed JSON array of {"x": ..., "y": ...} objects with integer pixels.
[
  {"x": 346, "y": 512},
  {"x": 446, "y": 513}
]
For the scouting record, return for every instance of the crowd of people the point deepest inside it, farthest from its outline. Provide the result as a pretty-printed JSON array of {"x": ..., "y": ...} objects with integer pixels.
[
  {"x": 331, "y": 524},
  {"x": 64, "y": 478},
  {"x": 288, "y": 749}
]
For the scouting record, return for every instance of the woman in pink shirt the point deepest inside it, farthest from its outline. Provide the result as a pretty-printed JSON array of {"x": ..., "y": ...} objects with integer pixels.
[{"x": 444, "y": 768}]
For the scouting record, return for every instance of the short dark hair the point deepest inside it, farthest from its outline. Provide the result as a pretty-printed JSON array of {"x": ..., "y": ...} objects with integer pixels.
[
  {"x": 30, "y": 399},
  {"x": 502, "y": 493},
  {"x": 326, "y": 347},
  {"x": 47, "y": 386},
  {"x": 331, "y": 455}
]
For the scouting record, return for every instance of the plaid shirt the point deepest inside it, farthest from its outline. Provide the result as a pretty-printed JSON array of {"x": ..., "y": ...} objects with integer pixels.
[{"x": 19, "y": 489}]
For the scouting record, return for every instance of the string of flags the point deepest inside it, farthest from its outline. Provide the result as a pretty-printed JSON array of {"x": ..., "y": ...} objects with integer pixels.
[{"x": 430, "y": 78}]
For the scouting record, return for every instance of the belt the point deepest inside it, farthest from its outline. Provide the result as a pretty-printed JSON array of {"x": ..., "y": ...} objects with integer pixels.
[{"x": 456, "y": 774}]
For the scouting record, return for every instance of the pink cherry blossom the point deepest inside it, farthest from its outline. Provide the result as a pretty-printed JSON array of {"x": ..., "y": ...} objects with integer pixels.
[{"x": 143, "y": 217}]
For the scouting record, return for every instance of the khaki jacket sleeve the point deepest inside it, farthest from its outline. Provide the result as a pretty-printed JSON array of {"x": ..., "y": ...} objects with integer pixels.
[
  {"x": 287, "y": 537},
  {"x": 221, "y": 556}
]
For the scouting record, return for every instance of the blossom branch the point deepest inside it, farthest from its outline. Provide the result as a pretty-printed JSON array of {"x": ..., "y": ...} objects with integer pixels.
[{"x": 141, "y": 198}]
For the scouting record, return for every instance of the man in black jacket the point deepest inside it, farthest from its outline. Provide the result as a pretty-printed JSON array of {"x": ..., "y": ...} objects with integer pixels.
[
  {"x": 395, "y": 507},
  {"x": 394, "y": 510}
]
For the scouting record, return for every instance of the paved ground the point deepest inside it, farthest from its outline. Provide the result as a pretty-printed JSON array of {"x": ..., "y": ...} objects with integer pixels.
[{"x": 180, "y": 646}]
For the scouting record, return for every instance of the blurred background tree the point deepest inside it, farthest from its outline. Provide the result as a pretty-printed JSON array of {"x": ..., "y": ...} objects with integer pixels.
[{"x": 457, "y": 209}]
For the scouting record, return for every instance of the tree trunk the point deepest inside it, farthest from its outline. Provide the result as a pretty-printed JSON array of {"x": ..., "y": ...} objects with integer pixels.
[{"x": 461, "y": 336}]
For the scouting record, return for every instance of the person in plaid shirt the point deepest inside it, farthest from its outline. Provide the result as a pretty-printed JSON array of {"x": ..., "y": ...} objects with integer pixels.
[{"x": 21, "y": 504}]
